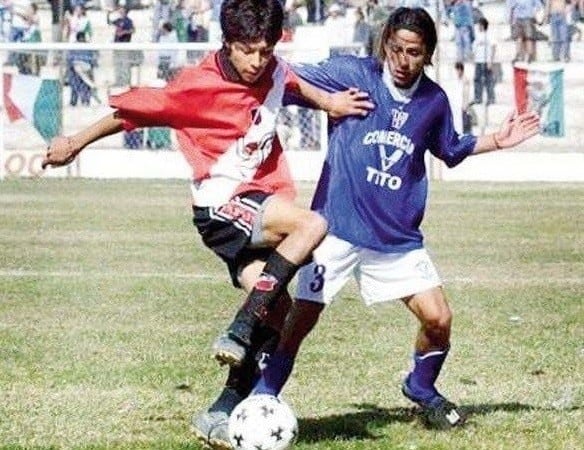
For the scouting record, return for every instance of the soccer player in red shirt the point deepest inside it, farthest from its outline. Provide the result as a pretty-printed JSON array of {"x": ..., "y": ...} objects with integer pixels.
[{"x": 224, "y": 112}]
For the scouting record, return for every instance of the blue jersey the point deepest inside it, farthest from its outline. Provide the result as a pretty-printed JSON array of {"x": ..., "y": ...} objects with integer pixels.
[{"x": 373, "y": 185}]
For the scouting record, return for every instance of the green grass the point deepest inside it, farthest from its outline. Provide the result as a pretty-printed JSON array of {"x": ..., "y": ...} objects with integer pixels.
[{"x": 109, "y": 304}]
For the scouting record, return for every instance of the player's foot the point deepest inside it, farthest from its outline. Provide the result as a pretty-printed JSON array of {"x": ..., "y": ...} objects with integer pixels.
[
  {"x": 210, "y": 428},
  {"x": 437, "y": 411},
  {"x": 229, "y": 350}
]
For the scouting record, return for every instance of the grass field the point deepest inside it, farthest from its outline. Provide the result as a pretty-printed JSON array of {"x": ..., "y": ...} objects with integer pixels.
[{"x": 109, "y": 305}]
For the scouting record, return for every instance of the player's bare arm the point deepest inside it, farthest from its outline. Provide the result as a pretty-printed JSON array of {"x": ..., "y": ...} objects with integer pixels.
[
  {"x": 64, "y": 149},
  {"x": 337, "y": 104},
  {"x": 515, "y": 129}
]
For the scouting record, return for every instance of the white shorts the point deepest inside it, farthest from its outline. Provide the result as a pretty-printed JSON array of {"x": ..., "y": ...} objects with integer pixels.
[{"x": 381, "y": 277}]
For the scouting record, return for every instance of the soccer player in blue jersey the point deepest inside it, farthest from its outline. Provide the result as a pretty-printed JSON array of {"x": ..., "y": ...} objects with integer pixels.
[{"x": 372, "y": 191}]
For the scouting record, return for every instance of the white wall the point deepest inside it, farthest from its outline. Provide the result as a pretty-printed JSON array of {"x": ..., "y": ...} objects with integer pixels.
[{"x": 305, "y": 166}]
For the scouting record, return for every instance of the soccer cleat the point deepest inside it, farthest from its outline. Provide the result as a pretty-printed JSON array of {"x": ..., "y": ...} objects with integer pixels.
[
  {"x": 228, "y": 350},
  {"x": 210, "y": 428},
  {"x": 437, "y": 411},
  {"x": 219, "y": 437}
]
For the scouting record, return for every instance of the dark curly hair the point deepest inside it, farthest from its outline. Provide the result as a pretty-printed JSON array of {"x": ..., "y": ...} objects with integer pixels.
[{"x": 252, "y": 21}]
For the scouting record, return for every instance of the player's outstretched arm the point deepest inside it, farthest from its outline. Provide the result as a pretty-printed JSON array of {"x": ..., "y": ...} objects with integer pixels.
[
  {"x": 337, "y": 104},
  {"x": 64, "y": 149},
  {"x": 515, "y": 129}
]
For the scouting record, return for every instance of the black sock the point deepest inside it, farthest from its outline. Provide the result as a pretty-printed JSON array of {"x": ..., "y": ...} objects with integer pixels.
[
  {"x": 228, "y": 399},
  {"x": 276, "y": 275}
]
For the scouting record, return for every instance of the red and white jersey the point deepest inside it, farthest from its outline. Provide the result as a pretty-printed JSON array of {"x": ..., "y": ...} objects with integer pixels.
[{"x": 226, "y": 129}]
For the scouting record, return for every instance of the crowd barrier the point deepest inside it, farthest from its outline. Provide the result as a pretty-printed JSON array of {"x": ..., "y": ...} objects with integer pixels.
[{"x": 45, "y": 93}]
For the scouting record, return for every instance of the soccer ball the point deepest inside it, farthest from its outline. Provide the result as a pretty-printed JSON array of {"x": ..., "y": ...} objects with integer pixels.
[{"x": 262, "y": 422}]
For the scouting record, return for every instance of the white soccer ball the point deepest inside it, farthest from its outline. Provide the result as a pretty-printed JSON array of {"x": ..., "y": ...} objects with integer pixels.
[{"x": 262, "y": 422}]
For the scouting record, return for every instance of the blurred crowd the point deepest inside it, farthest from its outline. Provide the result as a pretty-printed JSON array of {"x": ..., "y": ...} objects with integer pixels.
[
  {"x": 343, "y": 21},
  {"x": 344, "y": 24}
]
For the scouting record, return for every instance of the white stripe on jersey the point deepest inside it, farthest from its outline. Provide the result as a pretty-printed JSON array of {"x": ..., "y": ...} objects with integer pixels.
[{"x": 242, "y": 159}]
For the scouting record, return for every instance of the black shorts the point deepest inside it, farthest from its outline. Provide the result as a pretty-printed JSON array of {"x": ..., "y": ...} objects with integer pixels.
[{"x": 227, "y": 230}]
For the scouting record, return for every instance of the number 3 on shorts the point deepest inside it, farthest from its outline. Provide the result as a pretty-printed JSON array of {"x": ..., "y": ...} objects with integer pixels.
[{"x": 317, "y": 282}]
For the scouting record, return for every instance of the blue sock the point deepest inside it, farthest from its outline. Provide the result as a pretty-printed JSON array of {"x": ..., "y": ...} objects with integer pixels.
[
  {"x": 427, "y": 367},
  {"x": 275, "y": 374}
]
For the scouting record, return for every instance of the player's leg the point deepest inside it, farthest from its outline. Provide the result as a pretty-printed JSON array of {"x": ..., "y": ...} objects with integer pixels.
[
  {"x": 318, "y": 283},
  {"x": 411, "y": 276},
  {"x": 302, "y": 318},
  {"x": 431, "y": 349},
  {"x": 293, "y": 232},
  {"x": 210, "y": 426},
  {"x": 226, "y": 230}
]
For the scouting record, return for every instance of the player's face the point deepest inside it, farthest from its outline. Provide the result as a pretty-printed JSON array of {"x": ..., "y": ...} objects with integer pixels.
[
  {"x": 250, "y": 60},
  {"x": 405, "y": 53}
]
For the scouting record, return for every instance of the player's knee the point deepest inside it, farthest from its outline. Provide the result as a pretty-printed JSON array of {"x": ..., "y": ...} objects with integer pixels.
[
  {"x": 438, "y": 324},
  {"x": 314, "y": 226}
]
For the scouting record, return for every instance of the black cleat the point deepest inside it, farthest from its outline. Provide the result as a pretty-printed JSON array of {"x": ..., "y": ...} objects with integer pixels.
[
  {"x": 210, "y": 428},
  {"x": 228, "y": 350},
  {"x": 438, "y": 413}
]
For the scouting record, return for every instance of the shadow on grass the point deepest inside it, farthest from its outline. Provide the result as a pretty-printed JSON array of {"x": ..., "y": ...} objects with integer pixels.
[
  {"x": 363, "y": 423},
  {"x": 356, "y": 425}
]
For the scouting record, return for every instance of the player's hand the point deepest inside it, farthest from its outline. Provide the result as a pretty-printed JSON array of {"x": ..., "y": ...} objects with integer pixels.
[
  {"x": 351, "y": 102},
  {"x": 60, "y": 152},
  {"x": 517, "y": 128}
]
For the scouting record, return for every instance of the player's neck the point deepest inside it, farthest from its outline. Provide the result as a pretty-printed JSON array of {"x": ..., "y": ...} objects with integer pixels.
[{"x": 403, "y": 95}]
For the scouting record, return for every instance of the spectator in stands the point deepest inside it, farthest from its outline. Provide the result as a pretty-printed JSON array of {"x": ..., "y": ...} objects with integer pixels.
[
  {"x": 435, "y": 8},
  {"x": 214, "y": 25},
  {"x": 468, "y": 115},
  {"x": 458, "y": 91},
  {"x": 521, "y": 14},
  {"x": 292, "y": 20},
  {"x": 77, "y": 22},
  {"x": 32, "y": 32},
  {"x": 461, "y": 16},
  {"x": 34, "y": 60},
  {"x": 573, "y": 16},
  {"x": 579, "y": 10},
  {"x": 124, "y": 26},
  {"x": 4, "y": 20},
  {"x": 315, "y": 11},
  {"x": 75, "y": 3},
  {"x": 19, "y": 12},
  {"x": 557, "y": 14},
  {"x": 199, "y": 16},
  {"x": 25, "y": 28},
  {"x": 124, "y": 29},
  {"x": 362, "y": 32},
  {"x": 335, "y": 28},
  {"x": 80, "y": 66},
  {"x": 161, "y": 13},
  {"x": 167, "y": 58},
  {"x": 484, "y": 50}
]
